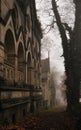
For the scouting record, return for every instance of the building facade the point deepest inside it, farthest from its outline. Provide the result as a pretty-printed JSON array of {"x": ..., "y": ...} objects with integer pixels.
[{"x": 20, "y": 46}]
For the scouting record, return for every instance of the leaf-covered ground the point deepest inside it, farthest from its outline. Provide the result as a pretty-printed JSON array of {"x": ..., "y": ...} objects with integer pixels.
[{"x": 46, "y": 121}]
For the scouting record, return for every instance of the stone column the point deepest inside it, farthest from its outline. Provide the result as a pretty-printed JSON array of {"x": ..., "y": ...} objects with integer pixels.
[
  {"x": 15, "y": 69},
  {"x": 32, "y": 76},
  {"x": 26, "y": 73},
  {"x": 1, "y": 58}
]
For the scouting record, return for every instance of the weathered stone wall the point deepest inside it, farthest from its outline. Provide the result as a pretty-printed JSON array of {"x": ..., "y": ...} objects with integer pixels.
[
  {"x": 15, "y": 113},
  {"x": 19, "y": 59}
]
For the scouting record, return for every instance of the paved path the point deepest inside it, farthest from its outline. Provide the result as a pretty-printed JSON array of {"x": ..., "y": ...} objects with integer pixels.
[{"x": 46, "y": 121}]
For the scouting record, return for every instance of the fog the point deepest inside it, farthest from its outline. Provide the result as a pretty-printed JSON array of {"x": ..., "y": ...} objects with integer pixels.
[
  {"x": 51, "y": 42},
  {"x": 60, "y": 88}
]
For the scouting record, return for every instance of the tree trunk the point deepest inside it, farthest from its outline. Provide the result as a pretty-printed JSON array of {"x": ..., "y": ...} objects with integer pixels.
[
  {"x": 76, "y": 51},
  {"x": 71, "y": 50}
]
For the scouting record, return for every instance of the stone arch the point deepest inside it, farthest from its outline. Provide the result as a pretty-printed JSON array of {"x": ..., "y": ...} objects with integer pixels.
[
  {"x": 15, "y": 16},
  {"x": 28, "y": 21},
  {"x": 9, "y": 47},
  {"x": 9, "y": 55},
  {"x": 21, "y": 56},
  {"x": 21, "y": 63},
  {"x": 35, "y": 73},
  {"x": 20, "y": 41},
  {"x": 29, "y": 65},
  {"x": 28, "y": 18},
  {"x": 9, "y": 26}
]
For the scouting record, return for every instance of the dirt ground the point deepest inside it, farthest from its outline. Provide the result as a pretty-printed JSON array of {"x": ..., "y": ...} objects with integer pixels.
[{"x": 48, "y": 120}]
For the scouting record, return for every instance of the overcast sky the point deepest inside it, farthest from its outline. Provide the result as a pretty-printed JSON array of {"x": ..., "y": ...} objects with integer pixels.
[
  {"x": 51, "y": 41},
  {"x": 54, "y": 39},
  {"x": 66, "y": 11}
]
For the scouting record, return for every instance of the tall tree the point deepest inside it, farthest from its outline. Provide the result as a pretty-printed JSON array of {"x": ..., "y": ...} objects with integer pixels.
[
  {"x": 71, "y": 53},
  {"x": 76, "y": 50}
]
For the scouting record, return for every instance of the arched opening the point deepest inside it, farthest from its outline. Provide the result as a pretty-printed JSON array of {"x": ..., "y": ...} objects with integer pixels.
[
  {"x": 14, "y": 118},
  {"x": 29, "y": 69},
  {"x": 21, "y": 67},
  {"x": 28, "y": 21},
  {"x": 9, "y": 58},
  {"x": 15, "y": 16},
  {"x": 24, "y": 112},
  {"x": 9, "y": 48},
  {"x": 35, "y": 74},
  {"x": 38, "y": 75}
]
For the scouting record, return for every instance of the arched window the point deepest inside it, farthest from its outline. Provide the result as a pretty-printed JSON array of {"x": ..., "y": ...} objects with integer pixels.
[
  {"x": 9, "y": 48},
  {"x": 28, "y": 21},
  {"x": 15, "y": 17},
  {"x": 20, "y": 57},
  {"x": 21, "y": 64},
  {"x": 29, "y": 69}
]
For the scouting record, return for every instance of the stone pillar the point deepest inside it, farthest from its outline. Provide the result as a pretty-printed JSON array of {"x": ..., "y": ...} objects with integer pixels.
[
  {"x": 37, "y": 79},
  {"x": 26, "y": 73},
  {"x": 1, "y": 58},
  {"x": 16, "y": 71},
  {"x": 32, "y": 76}
]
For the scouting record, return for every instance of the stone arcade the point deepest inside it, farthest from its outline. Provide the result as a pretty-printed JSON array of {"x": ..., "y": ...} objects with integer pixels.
[{"x": 20, "y": 46}]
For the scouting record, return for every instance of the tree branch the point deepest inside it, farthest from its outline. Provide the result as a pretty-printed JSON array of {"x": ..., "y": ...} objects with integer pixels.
[
  {"x": 60, "y": 27},
  {"x": 49, "y": 25}
]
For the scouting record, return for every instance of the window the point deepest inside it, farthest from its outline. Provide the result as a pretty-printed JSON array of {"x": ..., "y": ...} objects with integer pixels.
[
  {"x": 15, "y": 16},
  {"x": 7, "y": 73},
  {"x": 13, "y": 118},
  {"x": 24, "y": 112},
  {"x": 28, "y": 22},
  {"x": 11, "y": 74}
]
